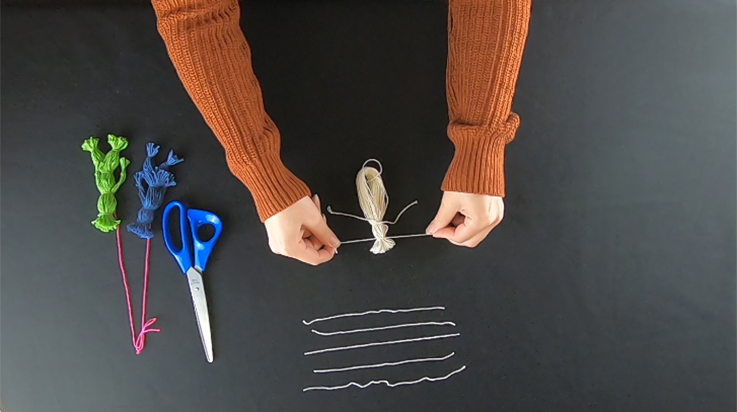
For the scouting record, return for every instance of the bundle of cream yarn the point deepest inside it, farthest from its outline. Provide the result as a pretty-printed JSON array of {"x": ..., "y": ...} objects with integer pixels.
[{"x": 373, "y": 199}]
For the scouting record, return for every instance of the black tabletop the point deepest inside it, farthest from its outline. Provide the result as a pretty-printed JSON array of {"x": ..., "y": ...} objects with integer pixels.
[{"x": 609, "y": 286}]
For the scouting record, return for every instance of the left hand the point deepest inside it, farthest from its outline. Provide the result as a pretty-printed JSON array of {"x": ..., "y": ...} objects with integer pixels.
[{"x": 465, "y": 219}]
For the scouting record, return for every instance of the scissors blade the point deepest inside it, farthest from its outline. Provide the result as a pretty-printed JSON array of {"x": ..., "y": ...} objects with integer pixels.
[{"x": 199, "y": 300}]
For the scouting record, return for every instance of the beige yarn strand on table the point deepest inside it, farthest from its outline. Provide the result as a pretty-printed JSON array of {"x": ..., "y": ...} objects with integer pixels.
[{"x": 373, "y": 199}]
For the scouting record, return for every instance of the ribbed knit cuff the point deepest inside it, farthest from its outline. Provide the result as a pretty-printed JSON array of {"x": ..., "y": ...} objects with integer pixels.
[
  {"x": 478, "y": 163},
  {"x": 273, "y": 187}
]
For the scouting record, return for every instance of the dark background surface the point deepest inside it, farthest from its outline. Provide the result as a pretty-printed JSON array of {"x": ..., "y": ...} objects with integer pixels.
[{"x": 610, "y": 285}]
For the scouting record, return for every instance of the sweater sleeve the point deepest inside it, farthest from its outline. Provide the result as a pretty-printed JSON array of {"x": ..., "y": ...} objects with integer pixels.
[
  {"x": 213, "y": 61},
  {"x": 485, "y": 43}
]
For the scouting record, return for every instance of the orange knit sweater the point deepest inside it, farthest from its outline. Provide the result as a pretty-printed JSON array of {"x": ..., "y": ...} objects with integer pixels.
[{"x": 485, "y": 43}]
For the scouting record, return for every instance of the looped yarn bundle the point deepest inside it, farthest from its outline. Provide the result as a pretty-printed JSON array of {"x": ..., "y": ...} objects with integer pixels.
[
  {"x": 105, "y": 165},
  {"x": 152, "y": 182},
  {"x": 373, "y": 199}
]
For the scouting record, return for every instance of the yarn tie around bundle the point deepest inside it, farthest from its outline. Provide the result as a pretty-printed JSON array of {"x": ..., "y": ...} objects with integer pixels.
[{"x": 382, "y": 243}]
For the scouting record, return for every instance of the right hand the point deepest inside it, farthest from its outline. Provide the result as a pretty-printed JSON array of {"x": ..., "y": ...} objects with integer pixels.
[{"x": 301, "y": 232}]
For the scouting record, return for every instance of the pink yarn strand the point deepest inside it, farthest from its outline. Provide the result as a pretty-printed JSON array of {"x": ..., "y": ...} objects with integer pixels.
[{"x": 139, "y": 341}]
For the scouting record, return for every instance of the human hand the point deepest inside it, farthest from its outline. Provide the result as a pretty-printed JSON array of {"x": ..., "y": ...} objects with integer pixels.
[
  {"x": 465, "y": 219},
  {"x": 301, "y": 232}
]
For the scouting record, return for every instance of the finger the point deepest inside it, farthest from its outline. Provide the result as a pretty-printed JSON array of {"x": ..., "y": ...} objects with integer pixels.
[
  {"x": 311, "y": 239},
  {"x": 322, "y": 232},
  {"x": 476, "y": 240},
  {"x": 457, "y": 235},
  {"x": 308, "y": 237},
  {"x": 314, "y": 257},
  {"x": 466, "y": 232},
  {"x": 325, "y": 219},
  {"x": 317, "y": 245},
  {"x": 308, "y": 254},
  {"x": 458, "y": 220},
  {"x": 443, "y": 218},
  {"x": 445, "y": 233},
  {"x": 313, "y": 242},
  {"x": 463, "y": 232},
  {"x": 449, "y": 231}
]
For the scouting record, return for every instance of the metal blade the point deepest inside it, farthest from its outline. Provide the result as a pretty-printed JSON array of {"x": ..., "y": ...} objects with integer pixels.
[{"x": 199, "y": 300}]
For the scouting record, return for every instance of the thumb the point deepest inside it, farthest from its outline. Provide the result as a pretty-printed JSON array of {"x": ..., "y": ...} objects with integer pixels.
[
  {"x": 445, "y": 215},
  {"x": 322, "y": 232}
]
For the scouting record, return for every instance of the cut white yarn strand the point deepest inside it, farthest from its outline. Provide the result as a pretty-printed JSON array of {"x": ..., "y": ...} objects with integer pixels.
[
  {"x": 372, "y": 312},
  {"x": 382, "y": 343},
  {"x": 373, "y": 199},
  {"x": 385, "y": 364},
  {"x": 384, "y": 382},
  {"x": 404, "y": 325}
]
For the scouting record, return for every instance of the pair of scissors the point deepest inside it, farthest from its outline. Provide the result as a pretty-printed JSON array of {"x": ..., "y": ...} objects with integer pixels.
[{"x": 193, "y": 270}]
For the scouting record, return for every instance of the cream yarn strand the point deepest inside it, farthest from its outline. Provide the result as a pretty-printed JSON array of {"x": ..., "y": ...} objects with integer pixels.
[{"x": 373, "y": 199}]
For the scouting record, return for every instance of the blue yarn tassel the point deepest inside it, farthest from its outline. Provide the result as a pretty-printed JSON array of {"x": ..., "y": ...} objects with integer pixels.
[{"x": 152, "y": 183}]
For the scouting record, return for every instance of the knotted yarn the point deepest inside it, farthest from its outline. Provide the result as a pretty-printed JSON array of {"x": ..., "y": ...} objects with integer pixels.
[
  {"x": 152, "y": 182},
  {"x": 138, "y": 340},
  {"x": 105, "y": 165},
  {"x": 373, "y": 200}
]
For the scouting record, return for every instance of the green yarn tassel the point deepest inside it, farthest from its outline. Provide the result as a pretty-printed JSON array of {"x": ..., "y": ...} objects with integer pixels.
[{"x": 105, "y": 165}]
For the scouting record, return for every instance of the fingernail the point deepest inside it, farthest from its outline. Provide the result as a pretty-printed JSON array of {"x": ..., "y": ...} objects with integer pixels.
[
  {"x": 334, "y": 242},
  {"x": 430, "y": 229}
]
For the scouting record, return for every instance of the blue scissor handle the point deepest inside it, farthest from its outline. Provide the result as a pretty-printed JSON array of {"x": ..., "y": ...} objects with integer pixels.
[
  {"x": 202, "y": 249},
  {"x": 183, "y": 255}
]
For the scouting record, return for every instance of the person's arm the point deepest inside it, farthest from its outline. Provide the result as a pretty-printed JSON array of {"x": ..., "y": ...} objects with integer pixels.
[
  {"x": 486, "y": 39},
  {"x": 213, "y": 60}
]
